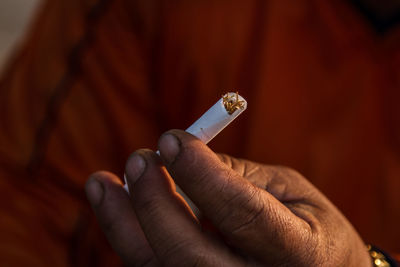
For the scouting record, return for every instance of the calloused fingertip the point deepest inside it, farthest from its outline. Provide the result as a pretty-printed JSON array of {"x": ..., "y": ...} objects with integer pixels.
[
  {"x": 94, "y": 191},
  {"x": 169, "y": 146},
  {"x": 135, "y": 167}
]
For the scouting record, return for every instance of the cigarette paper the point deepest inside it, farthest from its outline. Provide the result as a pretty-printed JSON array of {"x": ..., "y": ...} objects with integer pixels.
[{"x": 226, "y": 110}]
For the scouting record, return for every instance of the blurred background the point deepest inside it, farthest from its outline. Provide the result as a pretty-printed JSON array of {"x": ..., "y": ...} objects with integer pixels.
[
  {"x": 15, "y": 16},
  {"x": 97, "y": 79}
]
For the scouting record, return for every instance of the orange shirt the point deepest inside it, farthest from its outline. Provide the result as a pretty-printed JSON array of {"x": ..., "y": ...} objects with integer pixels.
[{"x": 97, "y": 79}]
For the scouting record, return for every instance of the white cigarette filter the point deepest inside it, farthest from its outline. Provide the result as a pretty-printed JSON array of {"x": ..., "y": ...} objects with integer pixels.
[{"x": 226, "y": 110}]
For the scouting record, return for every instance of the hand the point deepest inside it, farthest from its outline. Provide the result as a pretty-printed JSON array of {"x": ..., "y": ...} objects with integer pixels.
[{"x": 264, "y": 215}]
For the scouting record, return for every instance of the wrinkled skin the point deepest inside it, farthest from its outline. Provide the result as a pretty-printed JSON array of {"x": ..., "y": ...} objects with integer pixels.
[{"x": 262, "y": 215}]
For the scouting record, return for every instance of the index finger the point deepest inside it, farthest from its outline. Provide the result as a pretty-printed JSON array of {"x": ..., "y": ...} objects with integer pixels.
[{"x": 249, "y": 217}]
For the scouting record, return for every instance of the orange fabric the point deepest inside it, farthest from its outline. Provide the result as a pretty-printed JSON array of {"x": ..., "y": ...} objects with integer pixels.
[{"x": 96, "y": 80}]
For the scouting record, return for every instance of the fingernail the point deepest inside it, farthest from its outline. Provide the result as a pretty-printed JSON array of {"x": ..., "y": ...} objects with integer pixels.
[
  {"x": 169, "y": 147},
  {"x": 94, "y": 191},
  {"x": 135, "y": 168}
]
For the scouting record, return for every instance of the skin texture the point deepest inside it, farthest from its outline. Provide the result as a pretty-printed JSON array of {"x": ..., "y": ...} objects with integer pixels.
[{"x": 260, "y": 215}]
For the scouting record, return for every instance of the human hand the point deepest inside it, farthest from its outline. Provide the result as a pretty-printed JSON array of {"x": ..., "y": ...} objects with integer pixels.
[{"x": 264, "y": 215}]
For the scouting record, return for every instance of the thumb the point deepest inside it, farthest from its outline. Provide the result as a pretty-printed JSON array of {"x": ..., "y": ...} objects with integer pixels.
[{"x": 250, "y": 218}]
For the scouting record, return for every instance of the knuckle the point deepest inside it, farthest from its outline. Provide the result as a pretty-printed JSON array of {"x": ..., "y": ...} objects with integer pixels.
[
  {"x": 148, "y": 204},
  {"x": 227, "y": 160},
  {"x": 242, "y": 212},
  {"x": 287, "y": 171}
]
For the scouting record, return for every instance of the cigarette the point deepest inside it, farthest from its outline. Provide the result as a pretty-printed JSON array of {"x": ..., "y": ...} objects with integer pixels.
[
  {"x": 226, "y": 110},
  {"x": 220, "y": 115}
]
